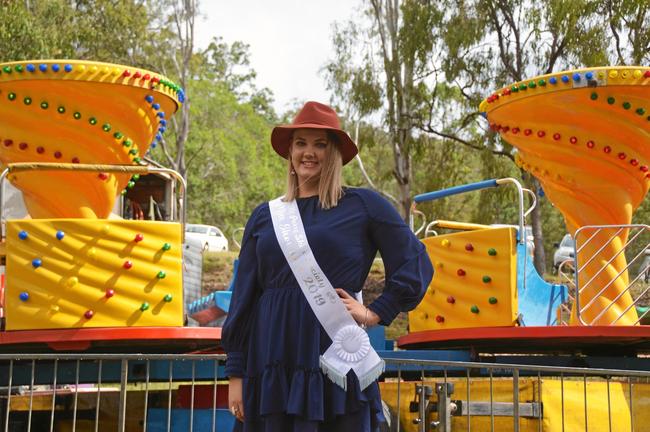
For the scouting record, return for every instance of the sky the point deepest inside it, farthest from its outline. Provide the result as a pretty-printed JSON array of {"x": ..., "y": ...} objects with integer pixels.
[{"x": 290, "y": 41}]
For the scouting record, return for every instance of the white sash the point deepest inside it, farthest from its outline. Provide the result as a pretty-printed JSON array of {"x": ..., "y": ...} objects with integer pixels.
[{"x": 350, "y": 347}]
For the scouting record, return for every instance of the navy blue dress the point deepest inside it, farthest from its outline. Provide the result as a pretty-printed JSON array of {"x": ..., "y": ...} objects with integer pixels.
[{"x": 272, "y": 337}]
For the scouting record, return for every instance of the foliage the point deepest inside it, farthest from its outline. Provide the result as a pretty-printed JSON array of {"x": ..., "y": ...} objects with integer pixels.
[{"x": 231, "y": 166}]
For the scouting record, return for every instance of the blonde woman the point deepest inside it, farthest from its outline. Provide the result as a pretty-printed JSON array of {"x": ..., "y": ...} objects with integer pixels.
[{"x": 298, "y": 357}]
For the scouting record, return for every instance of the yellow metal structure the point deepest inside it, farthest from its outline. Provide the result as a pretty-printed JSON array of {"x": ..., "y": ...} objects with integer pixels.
[
  {"x": 474, "y": 283},
  {"x": 67, "y": 273},
  {"x": 584, "y": 135},
  {"x": 562, "y": 401}
]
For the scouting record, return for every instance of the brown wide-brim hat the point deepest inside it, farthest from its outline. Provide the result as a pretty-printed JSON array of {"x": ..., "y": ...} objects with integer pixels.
[{"x": 313, "y": 115}]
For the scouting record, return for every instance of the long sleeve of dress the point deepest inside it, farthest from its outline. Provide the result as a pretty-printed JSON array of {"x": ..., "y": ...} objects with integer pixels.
[
  {"x": 406, "y": 262},
  {"x": 236, "y": 330}
]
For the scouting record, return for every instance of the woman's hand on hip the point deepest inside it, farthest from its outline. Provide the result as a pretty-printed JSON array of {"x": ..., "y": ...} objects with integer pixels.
[
  {"x": 361, "y": 314},
  {"x": 235, "y": 398}
]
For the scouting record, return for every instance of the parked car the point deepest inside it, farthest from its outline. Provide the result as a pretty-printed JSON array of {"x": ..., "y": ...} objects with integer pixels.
[
  {"x": 564, "y": 251},
  {"x": 210, "y": 236}
]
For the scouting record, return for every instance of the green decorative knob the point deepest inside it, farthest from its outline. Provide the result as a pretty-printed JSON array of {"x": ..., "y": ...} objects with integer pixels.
[
  {"x": 118, "y": 135},
  {"x": 166, "y": 247},
  {"x": 487, "y": 279},
  {"x": 144, "y": 306},
  {"x": 133, "y": 151},
  {"x": 168, "y": 298},
  {"x": 92, "y": 121},
  {"x": 130, "y": 185},
  {"x": 11, "y": 96},
  {"x": 492, "y": 252},
  {"x": 44, "y": 105},
  {"x": 136, "y": 177},
  {"x": 60, "y": 110},
  {"x": 27, "y": 100},
  {"x": 611, "y": 100},
  {"x": 76, "y": 115},
  {"x": 493, "y": 300},
  {"x": 475, "y": 309},
  {"x": 106, "y": 127},
  {"x": 161, "y": 274},
  {"x": 127, "y": 143},
  {"x": 594, "y": 96}
]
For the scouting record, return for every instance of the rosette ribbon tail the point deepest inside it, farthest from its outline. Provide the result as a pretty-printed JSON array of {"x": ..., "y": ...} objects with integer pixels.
[{"x": 351, "y": 349}]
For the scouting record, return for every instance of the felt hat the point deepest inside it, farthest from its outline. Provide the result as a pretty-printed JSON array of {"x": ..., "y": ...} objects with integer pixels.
[{"x": 313, "y": 115}]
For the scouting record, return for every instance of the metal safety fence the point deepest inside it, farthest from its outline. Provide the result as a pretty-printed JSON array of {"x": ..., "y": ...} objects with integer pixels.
[
  {"x": 610, "y": 274},
  {"x": 423, "y": 396},
  {"x": 113, "y": 392},
  {"x": 188, "y": 392}
]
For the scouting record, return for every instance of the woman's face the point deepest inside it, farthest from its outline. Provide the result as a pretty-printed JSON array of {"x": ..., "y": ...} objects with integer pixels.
[{"x": 308, "y": 151}]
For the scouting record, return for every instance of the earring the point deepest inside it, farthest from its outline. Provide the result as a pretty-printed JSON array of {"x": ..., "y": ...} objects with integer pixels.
[{"x": 293, "y": 172}]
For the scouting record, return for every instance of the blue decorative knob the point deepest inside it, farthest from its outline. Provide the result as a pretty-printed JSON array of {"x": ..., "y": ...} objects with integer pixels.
[
  {"x": 23, "y": 235},
  {"x": 59, "y": 235},
  {"x": 36, "y": 262}
]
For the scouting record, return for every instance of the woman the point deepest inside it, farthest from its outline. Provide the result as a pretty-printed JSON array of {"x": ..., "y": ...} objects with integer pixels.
[{"x": 282, "y": 361}]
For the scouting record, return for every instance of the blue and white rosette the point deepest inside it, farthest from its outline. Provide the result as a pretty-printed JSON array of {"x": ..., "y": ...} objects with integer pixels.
[{"x": 350, "y": 347}]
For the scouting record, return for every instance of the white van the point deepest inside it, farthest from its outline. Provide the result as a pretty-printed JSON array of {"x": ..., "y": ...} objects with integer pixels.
[{"x": 210, "y": 237}]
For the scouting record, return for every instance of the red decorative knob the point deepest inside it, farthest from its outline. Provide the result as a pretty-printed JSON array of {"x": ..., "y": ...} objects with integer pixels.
[
  {"x": 460, "y": 272},
  {"x": 440, "y": 318},
  {"x": 89, "y": 314},
  {"x": 451, "y": 300},
  {"x": 127, "y": 264},
  {"x": 469, "y": 247},
  {"x": 110, "y": 293},
  {"x": 138, "y": 237}
]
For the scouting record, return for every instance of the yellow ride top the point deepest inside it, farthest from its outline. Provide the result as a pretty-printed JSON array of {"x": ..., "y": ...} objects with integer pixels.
[{"x": 79, "y": 112}]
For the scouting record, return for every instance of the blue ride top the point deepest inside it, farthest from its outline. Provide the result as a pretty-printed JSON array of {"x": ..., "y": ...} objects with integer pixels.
[{"x": 271, "y": 335}]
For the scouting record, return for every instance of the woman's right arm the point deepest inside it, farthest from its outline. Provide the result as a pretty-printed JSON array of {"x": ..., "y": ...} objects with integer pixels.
[{"x": 236, "y": 329}]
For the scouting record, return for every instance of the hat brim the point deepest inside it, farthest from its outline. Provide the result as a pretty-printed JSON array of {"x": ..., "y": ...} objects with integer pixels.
[{"x": 281, "y": 139}]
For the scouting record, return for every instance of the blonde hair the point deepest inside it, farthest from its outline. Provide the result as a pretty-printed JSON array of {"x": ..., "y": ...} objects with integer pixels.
[{"x": 330, "y": 189}]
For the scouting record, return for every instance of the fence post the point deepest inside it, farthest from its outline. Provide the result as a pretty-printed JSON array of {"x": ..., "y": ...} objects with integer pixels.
[{"x": 124, "y": 374}]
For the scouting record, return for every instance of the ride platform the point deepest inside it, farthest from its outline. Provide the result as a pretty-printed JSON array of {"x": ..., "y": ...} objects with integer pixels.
[
  {"x": 112, "y": 339},
  {"x": 611, "y": 340}
]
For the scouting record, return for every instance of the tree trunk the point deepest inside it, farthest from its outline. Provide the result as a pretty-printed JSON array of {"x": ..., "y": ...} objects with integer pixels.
[{"x": 536, "y": 221}]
